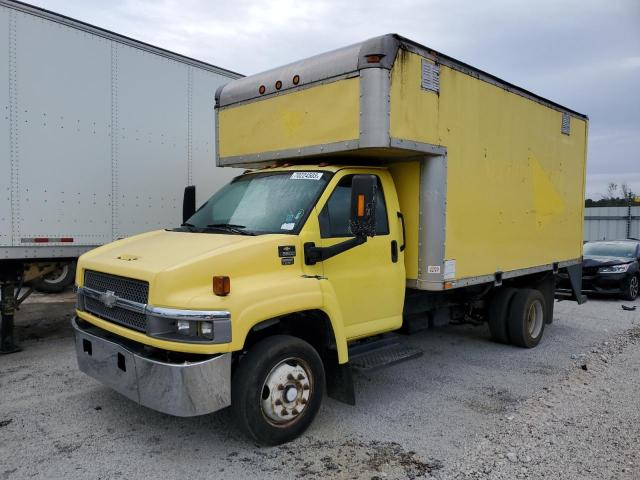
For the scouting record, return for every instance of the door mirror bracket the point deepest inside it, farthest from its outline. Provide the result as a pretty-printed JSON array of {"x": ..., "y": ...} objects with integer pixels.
[{"x": 313, "y": 254}]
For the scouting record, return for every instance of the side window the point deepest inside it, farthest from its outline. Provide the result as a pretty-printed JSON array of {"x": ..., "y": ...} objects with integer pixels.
[{"x": 334, "y": 217}]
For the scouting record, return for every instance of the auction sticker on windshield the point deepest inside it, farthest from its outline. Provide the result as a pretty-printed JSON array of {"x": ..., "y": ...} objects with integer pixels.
[{"x": 306, "y": 176}]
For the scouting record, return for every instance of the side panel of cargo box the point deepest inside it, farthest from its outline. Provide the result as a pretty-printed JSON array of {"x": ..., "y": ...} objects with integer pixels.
[{"x": 514, "y": 180}]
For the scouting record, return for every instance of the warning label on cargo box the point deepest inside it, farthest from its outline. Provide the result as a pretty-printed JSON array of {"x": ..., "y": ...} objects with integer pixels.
[
  {"x": 449, "y": 269},
  {"x": 433, "y": 269}
]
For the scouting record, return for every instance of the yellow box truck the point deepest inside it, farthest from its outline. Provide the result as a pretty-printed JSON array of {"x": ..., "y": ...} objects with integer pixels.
[{"x": 389, "y": 188}]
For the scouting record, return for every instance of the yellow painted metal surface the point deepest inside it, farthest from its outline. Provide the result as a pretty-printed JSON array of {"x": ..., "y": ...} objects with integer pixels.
[
  {"x": 413, "y": 111},
  {"x": 407, "y": 176},
  {"x": 515, "y": 183},
  {"x": 179, "y": 267},
  {"x": 292, "y": 120},
  {"x": 361, "y": 291}
]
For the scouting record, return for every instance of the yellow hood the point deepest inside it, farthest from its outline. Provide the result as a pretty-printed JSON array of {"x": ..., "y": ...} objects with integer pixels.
[{"x": 179, "y": 265}]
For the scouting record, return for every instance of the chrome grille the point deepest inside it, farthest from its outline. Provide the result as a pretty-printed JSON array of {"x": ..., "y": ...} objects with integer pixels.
[{"x": 125, "y": 288}]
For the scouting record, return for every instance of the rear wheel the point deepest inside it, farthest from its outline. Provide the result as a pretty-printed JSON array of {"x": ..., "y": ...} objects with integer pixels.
[
  {"x": 56, "y": 281},
  {"x": 526, "y": 318},
  {"x": 498, "y": 313},
  {"x": 277, "y": 389},
  {"x": 632, "y": 288}
]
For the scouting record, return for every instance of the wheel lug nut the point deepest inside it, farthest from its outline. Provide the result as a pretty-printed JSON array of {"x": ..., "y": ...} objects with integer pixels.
[
  {"x": 300, "y": 376},
  {"x": 278, "y": 402},
  {"x": 280, "y": 387},
  {"x": 305, "y": 386},
  {"x": 284, "y": 412},
  {"x": 303, "y": 401},
  {"x": 289, "y": 377},
  {"x": 294, "y": 412}
]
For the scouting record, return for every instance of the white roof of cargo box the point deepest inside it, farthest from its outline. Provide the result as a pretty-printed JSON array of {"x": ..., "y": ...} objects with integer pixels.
[{"x": 102, "y": 32}]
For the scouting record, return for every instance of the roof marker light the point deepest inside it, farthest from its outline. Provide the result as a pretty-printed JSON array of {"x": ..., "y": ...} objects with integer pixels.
[
  {"x": 262, "y": 89},
  {"x": 278, "y": 85},
  {"x": 296, "y": 79}
]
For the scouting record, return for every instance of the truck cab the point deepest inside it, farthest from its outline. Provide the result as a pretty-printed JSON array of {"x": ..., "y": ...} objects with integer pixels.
[{"x": 253, "y": 260}]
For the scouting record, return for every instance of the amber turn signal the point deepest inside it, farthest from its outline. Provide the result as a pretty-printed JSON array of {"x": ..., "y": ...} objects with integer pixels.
[
  {"x": 360, "y": 205},
  {"x": 221, "y": 286}
]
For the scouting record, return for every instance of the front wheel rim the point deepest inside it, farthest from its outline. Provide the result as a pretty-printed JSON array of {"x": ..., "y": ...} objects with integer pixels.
[
  {"x": 535, "y": 319},
  {"x": 633, "y": 287},
  {"x": 286, "y": 392}
]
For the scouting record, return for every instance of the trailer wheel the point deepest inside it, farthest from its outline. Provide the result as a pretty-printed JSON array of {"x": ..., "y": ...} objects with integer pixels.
[
  {"x": 58, "y": 280},
  {"x": 277, "y": 389},
  {"x": 498, "y": 314},
  {"x": 527, "y": 317}
]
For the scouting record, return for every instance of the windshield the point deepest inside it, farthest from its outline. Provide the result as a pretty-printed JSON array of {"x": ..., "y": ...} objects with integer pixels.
[
  {"x": 626, "y": 250},
  {"x": 269, "y": 202}
]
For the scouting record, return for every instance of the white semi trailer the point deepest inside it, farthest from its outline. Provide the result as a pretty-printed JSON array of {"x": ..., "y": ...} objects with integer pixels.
[{"x": 100, "y": 134}]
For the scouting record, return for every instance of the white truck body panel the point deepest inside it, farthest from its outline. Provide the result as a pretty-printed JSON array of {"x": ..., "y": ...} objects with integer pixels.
[{"x": 100, "y": 134}]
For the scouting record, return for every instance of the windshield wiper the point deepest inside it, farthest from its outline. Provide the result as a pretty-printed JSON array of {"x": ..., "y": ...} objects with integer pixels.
[
  {"x": 230, "y": 227},
  {"x": 190, "y": 226}
]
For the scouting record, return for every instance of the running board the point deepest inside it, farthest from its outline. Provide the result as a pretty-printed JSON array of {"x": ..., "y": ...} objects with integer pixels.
[{"x": 381, "y": 352}]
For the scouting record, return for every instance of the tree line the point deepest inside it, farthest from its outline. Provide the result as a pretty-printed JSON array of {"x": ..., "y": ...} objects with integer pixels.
[{"x": 616, "y": 196}]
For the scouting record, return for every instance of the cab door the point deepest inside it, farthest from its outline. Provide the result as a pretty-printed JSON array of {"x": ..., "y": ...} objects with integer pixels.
[{"x": 367, "y": 282}]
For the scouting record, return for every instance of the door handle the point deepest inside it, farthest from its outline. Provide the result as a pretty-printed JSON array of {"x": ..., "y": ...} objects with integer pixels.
[
  {"x": 404, "y": 233},
  {"x": 394, "y": 251}
]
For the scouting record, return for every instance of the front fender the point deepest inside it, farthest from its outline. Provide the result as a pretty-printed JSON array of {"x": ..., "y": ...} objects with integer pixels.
[{"x": 308, "y": 296}]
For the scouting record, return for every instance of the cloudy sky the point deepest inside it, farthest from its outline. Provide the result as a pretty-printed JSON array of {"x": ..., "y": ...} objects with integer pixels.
[{"x": 584, "y": 54}]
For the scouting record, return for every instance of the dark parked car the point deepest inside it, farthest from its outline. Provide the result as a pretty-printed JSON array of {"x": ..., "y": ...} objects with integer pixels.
[{"x": 611, "y": 267}]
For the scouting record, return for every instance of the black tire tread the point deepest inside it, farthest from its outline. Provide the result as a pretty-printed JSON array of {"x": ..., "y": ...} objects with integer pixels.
[
  {"x": 498, "y": 314},
  {"x": 517, "y": 330},
  {"x": 42, "y": 286},
  {"x": 249, "y": 377}
]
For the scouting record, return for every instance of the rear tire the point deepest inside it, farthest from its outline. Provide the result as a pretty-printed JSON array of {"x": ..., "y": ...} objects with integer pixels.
[
  {"x": 498, "y": 314},
  {"x": 277, "y": 389},
  {"x": 632, "y": 288},
  {"x": 527, "y": 318},
  {"x": 56, "y": 281}
]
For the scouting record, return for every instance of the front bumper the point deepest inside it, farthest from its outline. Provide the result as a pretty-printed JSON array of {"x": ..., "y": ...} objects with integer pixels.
[
  {"x": 605, "y": 283},
  {"x": 183, "y": 389}
]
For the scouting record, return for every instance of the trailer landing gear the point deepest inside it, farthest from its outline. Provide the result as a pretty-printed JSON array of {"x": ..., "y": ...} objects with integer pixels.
[
  {"x": 10, "y": 275},
  {"x": 8, "y": 308}
]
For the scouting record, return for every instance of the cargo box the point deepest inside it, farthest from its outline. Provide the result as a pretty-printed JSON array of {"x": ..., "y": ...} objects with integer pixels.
[{"x": 490, "y": 177}]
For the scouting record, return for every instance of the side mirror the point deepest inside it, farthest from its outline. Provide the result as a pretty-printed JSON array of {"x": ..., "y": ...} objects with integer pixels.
[
  {"x": 363, "y": 205},
  {"x": 188, "y": 203}
]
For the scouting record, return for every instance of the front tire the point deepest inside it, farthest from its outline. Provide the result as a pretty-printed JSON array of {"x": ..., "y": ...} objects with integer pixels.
[
  {"x": 527, "y": 318},
  {"x": 632, "y": 288},
  {"x": 277, "y": 389}
]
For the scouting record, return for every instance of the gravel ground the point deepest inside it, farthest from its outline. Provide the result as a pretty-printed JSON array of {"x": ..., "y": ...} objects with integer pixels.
[{"x": 468, "y": 408}]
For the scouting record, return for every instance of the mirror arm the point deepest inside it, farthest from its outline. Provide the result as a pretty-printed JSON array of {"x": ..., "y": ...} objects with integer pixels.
[{"x": 313, "y": 254}]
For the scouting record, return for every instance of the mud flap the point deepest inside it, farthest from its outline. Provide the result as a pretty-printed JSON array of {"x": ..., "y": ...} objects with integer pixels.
[{"x": 575, "y": 280}]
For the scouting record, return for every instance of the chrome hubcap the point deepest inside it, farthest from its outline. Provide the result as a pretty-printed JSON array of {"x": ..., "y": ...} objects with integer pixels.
[
  {"x": 286, "y": 391},
  {"x": 534, "y": 319}
]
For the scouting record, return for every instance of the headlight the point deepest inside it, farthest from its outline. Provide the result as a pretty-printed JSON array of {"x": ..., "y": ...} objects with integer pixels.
[
  {"x": 615, "y": 268},
  {"x": 194, "y": 326}
]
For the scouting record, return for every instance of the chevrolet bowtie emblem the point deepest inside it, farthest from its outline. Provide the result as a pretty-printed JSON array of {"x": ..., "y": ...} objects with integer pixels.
[
  {"x": 108, "y": 298},
  {"x": 127, "y": 257}
]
